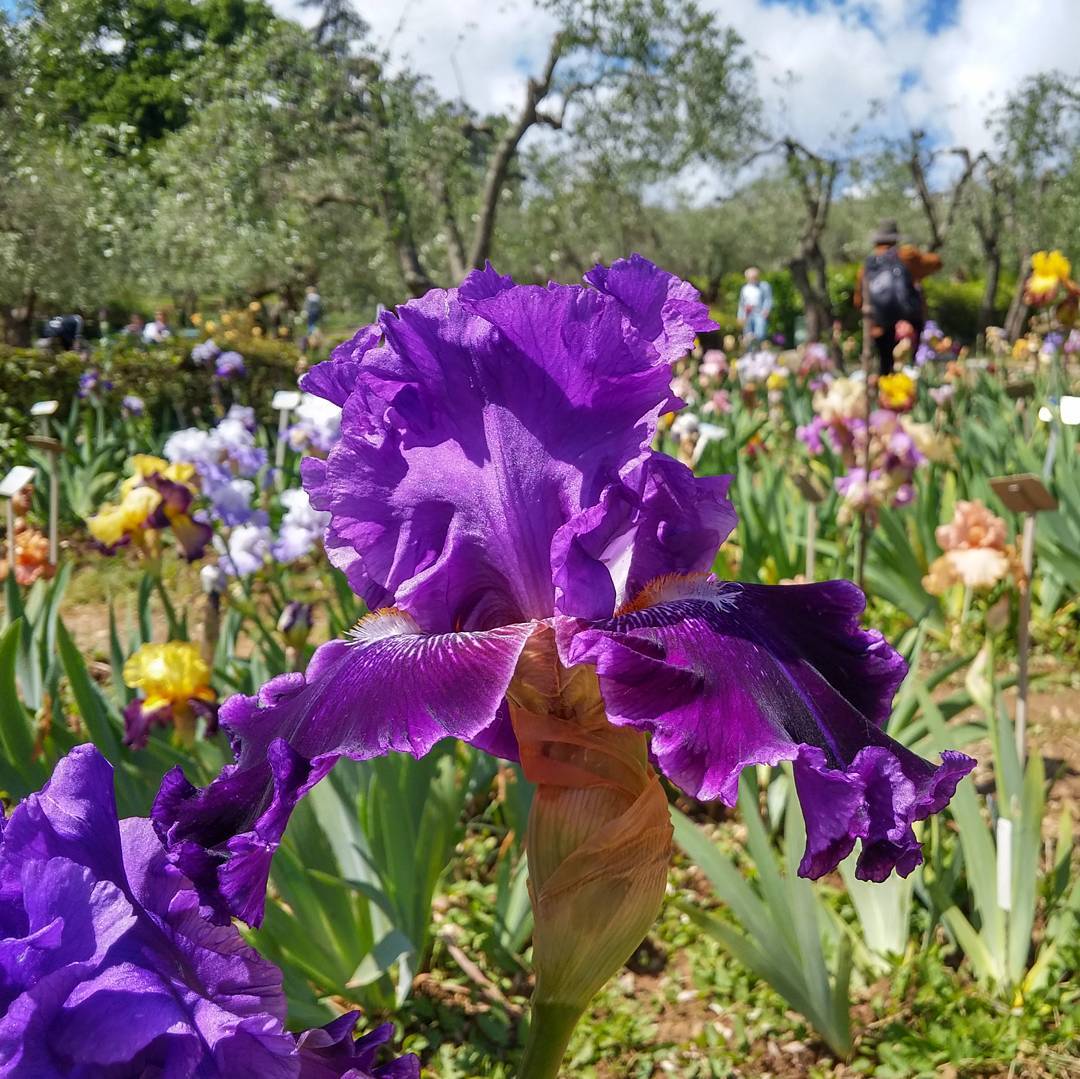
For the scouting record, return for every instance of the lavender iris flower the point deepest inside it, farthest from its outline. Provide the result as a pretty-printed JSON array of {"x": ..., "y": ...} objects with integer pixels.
[
  {"x": 495, "y": 483},
  {"x": 222, "y": 454},
  {"x": 229, "y": 365},
  {"x": 111, "y": 967},
  {"x": 231, "y": 503},
  {"x": 302, "y": 527},
  {"x": 246, "y": 550},
  {"x": 206, "y": 352},
  {"x": 132, "y": 405},
  {"x": 316, "y": 426}
]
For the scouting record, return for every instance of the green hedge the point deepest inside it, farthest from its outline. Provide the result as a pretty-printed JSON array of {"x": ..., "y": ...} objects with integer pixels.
[{"x": 164, "y": 376}]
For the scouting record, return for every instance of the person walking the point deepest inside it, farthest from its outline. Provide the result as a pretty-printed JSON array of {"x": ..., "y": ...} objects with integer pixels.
[
  {"x": 312, "y": 309},
  {"x": 755, "y": 307},
  {"x": 890, "y": 283}
]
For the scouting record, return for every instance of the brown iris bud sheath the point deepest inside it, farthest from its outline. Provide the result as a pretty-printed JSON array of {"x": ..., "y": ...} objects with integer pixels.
[{"x": 599, "y": 839}]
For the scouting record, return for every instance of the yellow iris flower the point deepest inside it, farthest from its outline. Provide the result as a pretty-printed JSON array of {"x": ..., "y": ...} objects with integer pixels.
[
  {"x": 114, "y": 521},
  {"x": 169, "y": 675},
  {"x": 1049, "y": 271},
  {"x": 897, "y": 391},
  {"x": 144, "y": 465},
  {"x": 777, "y": 380}
]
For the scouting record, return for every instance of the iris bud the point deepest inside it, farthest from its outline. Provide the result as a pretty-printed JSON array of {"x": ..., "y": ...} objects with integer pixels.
[{"x": 598, "y": 842}]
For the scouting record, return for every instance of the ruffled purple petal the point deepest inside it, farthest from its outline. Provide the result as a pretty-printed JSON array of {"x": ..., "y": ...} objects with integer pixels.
[
  {"x": 489, "y": 418},
  {"x": 726, "y": 675},
  {"x": 331, "y": 1052},
  {"x": 391, "y": 689},
  {"x": 660, "y": 519},
  {"x": 665, "y": 310}
]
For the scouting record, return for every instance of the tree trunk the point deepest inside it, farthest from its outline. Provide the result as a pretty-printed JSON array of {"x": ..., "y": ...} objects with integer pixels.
[
  {"x": 1014, "y": 320},
  {"x": 808, "y": 273},
  {"x": 989, "y": 300},
  {"x": 21, "y": 323}
]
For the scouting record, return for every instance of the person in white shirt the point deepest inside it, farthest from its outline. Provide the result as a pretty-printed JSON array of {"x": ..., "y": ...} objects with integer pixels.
[
  {"x": 158, "y": 330},
  {"x": 755, "y": 307}
]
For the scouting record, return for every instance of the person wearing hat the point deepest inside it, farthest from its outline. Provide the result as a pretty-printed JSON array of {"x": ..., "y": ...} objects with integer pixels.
[{"x": 890, "y": 282}]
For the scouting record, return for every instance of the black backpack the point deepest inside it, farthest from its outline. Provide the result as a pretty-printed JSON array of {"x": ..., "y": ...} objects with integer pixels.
[{"x": 893, "y": 295}]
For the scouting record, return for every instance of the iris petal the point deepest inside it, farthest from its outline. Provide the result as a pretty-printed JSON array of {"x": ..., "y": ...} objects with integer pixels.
[
  {"x": 390, "y": 689},
  {"x": 490, "y": 417},
  {"x": 726, "y": 675}
]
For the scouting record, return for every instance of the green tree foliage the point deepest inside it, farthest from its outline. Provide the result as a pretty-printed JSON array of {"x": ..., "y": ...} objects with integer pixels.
[{"x": 124, "y": 64}]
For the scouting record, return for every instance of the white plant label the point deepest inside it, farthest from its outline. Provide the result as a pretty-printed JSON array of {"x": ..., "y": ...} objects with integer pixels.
[{"x": 1004, "y": 863}]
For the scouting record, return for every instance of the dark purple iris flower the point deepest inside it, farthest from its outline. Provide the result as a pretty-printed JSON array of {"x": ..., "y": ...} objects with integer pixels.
[
  {"x": 109, "y": 967},
  {"x": 494, "y": 482}
]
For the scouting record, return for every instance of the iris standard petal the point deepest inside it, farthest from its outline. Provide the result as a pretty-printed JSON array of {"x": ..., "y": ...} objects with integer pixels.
[
  {"x": 725, "y": 675},
  {"x": 658, "y": 519},
  {"x": 392, "y": 688},
  {"x": 491, "y": 416}
]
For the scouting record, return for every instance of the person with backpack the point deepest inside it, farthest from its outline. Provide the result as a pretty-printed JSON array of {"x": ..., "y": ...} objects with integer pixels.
[{"x": 891, "y": 279}]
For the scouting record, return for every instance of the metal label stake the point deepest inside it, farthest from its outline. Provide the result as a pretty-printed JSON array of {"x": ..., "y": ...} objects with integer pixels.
[
  {"x": 1025, "y": 494},
  {"x": 286, "y": 402},
  {"x": 54, "y": 448},
  {"x": 814, "y": 494}
]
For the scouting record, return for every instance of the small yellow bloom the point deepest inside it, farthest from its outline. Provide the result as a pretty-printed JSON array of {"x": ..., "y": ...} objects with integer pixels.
[
  {"x": 144, "y": 465},
  {"x": 254, "y": 305},
  {"x": 211, "y": 326},
  {"x": 226, "y": 319},
  {"x": 777, "y": 380},
  {"x": 283, "y": 331},
  {"x": 196, "y": 319},
  {"x": 168, "y": 674},
  {"x": 256, "y": 331},
  {"x": 1049, "y": 271},
  {"x": 897, "y": 391},
  {"x": 230, "y": 335},
  {"x": 113, "y": 521}
]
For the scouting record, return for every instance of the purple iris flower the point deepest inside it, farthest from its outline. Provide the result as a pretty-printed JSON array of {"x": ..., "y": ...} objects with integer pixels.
[
  {"x": 111, "y": 967},
  {"x": 229, "y": 365},
  {"x": 206, "y": 352},
  {"x": 495, "y": 483},
  {"x": 132, "y": 405}
]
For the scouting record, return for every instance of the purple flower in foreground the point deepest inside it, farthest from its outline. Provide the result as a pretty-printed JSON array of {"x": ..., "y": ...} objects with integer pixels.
[
  {"x": 112, "y": 968},
  {"x": 229, "y": 365},
  {"x": 548, "y": 570},
  {"x": 132, "y": 405}
]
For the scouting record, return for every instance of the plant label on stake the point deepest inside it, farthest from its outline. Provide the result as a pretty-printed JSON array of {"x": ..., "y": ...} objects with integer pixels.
[
  {"x": 54, "y": 448},
  {"x": 286, "y": 402},
  {"x": 812, "y": 491},
  {"x": 1028, "y": 495},
  {"x": 43, "y": 410},
  {"x": 10, "y": 486},
  {"x": 707, "y": 433},
  {"x": 1003, "y": 833}
]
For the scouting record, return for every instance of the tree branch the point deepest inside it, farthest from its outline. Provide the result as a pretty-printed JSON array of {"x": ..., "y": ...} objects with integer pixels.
[{"x": 499, "y": 166}]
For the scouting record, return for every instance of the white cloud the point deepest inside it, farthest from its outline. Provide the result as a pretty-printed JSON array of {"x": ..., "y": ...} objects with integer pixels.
[{"x": 819, "y": 70}]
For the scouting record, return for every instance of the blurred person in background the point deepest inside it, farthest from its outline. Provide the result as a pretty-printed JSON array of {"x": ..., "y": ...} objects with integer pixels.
[
  {"x": 755, "y": 307},
  {"x": 158, "y": 330},
  {"x": 312, "y": 309},
  {"x": 889, "y": 281}
]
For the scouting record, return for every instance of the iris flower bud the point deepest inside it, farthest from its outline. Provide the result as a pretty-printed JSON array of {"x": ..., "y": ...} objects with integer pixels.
[{"x": 599, "y": 842}]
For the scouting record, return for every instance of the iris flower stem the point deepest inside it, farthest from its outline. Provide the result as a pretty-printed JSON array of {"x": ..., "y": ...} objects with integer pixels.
[{"x": 549, "y": 1034}]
